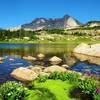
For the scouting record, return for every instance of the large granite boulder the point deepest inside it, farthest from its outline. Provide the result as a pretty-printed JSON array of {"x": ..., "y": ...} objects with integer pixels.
[
  {"x": 55, "y": 60},
  {"x": 24, "y": 74},
  {"x": 82, "y": 48},
  {"x": 54, "y": 68},
  {"x": 92, "y": 50},
  {"x": 95, "y": 50}
]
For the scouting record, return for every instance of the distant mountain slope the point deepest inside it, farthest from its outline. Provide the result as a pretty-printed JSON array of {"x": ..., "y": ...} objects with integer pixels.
[
  {"x": 57, "y": 23},
  {"x": 93, "y": 23}
]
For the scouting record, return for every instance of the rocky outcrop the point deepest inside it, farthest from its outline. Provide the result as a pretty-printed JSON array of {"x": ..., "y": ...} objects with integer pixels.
[
  {"x": 54, "y": 68},
  {"x": 92, "y": 50},
  {"x": 24, "y": 74}
]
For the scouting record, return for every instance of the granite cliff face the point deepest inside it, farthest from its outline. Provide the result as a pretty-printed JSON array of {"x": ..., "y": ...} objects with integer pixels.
[{"x": 57, "y": 23}]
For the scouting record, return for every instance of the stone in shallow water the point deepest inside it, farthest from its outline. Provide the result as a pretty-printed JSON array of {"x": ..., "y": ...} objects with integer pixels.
[
  {"x": 41, "y": 56},
  {"x": 54, "y": 68},
  {"x": 65, "y": 66},
  {"x": 55, "y": 60},
  {"x": 24, "y": 74},
  {"x": 29, "y": 58}
]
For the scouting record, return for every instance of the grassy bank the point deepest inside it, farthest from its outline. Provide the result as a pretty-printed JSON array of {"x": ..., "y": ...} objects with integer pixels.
[
  {"x": 59, "y": 89},
  {"x": 66, "y": 40}
]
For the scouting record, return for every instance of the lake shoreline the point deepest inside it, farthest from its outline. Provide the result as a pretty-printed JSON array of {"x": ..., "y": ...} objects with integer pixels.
[{"x": 51, "y": 42}]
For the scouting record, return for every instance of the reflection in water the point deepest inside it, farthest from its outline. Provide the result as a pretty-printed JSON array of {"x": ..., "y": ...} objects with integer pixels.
[
  {"x": 84, "y": 67},
  {"x": 9, "y": 64},
  {"x": 87, "y": 63},
  {"x": 90, "y": 59},
  {"x": 62, "y": 51}
]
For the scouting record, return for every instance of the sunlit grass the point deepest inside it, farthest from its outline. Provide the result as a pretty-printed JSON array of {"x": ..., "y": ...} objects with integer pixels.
[{"x": 60, "y": 90}]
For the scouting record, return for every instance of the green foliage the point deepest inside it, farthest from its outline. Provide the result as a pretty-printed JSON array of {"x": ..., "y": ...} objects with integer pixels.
[
  {"x": 6, "y": 34},
  {"x": 13, "y": 91},
  {"x": 72, "y": 77},
  {"x": 88, "y": 86},
  {"x": 44, "y": 94},
  {"x": 55, "y": 75},
  {"x": 60, "y": 89},
  {"x": 96, "y": 97},
  {"x": 55, "y": 31},
  {"x": 42, "y": 78}
]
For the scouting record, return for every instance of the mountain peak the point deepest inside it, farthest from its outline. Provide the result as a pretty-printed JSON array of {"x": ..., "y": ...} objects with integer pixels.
[
  {"x": 58, "y": 23},
  {"x": 66, "y": 16}
]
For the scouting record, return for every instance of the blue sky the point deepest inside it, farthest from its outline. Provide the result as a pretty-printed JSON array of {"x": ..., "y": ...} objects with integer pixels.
[{"x": 17, "y": 12}]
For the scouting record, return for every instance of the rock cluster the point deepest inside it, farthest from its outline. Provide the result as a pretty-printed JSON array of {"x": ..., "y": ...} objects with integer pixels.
[{"x": 32, "y": 72}]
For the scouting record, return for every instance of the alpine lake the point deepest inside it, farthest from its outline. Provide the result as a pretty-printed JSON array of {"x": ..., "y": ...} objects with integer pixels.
[{"x": 76, "y": 62}]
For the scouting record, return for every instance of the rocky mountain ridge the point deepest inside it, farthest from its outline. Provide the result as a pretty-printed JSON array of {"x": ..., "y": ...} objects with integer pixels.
[{"x": 57, "y": 23}]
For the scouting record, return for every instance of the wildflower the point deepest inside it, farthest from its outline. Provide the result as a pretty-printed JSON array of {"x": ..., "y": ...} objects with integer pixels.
[{"x": 98, "y": 90}]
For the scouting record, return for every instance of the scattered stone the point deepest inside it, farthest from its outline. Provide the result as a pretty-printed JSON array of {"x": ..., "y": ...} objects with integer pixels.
[
  {"x": 1, "y": 62},
  {"x": 42, "y": 67},
  {"x": 40, "y": 56},
  {"x": 55, "y": 60},
  {"x": 1, "y": 58},
  {"x": 65, "y": 66},
  {"x": 11, "y": 59},
  {"x": 54, "y": 68},
  {"x": 24, "y": 74},
  {"x": 29, "y": 58}
]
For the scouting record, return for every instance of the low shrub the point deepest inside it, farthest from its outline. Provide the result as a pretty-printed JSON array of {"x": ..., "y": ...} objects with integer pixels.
[
  {"x": 42, "y": 78},
  {"x": 55, "y": 75},
  {"x": 96, "y": 96},
  {"x": 88, "y": 86},
  {"x": 13, "y": 91},
  {"x": 72, "y": 77}
]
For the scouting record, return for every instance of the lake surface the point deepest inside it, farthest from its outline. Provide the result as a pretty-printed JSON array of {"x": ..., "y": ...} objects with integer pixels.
[{"x": 17, "y": 51}]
